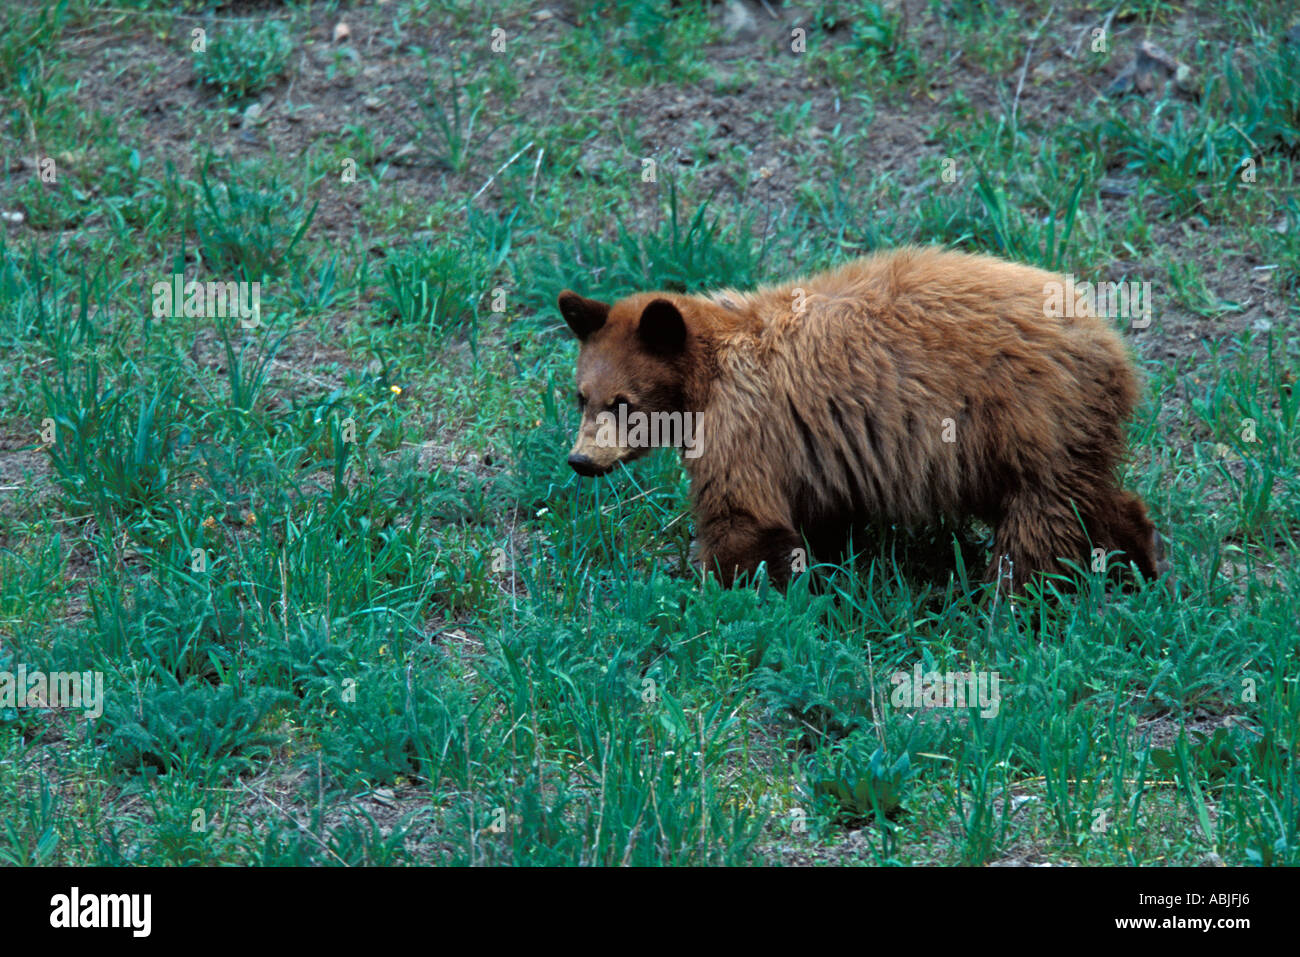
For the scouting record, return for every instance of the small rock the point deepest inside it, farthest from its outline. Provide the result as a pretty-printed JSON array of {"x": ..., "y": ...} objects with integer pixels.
[
  {"x": 341, "y": 32},
  {"x": 1019, "y": 801},
  {"x": 590, "y": 163},
  {"x": 372, "y": 102},
  {"x": 13, "y": 218},
  {"x": 1046, "y": 70},
  {"x": 1151, "y": 71},
  {"x": 738, "y": 23},
  {"x": 1111, "y": 188}
]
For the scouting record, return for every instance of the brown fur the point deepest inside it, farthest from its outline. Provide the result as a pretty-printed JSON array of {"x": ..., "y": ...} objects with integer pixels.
[{"x": 814, "y": 421}]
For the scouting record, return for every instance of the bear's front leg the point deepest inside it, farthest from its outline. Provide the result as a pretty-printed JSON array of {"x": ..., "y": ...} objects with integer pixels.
[{"x": 734, "y": 545}]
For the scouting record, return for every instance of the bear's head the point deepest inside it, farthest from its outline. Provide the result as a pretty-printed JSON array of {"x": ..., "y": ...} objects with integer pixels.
[{"x": 631, "y": 367}]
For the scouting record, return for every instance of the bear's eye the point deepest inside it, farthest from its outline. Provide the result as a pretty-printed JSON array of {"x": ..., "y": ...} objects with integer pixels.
[
  {"x": 620, "y": 400},
  {"x": 581, "y": 400}
]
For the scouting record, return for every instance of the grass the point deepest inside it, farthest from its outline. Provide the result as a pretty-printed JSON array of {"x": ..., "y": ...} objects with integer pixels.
[
  {"x": 349, "y": 602},
  {"x": 244, "y": 59}
]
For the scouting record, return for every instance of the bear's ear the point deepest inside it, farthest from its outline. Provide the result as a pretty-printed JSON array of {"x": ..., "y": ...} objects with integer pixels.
[
  {"x": 584, "y": 316},
  {"x": 662, "y": 329}
]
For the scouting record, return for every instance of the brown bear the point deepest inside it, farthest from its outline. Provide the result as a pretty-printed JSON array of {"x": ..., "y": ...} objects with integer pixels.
[{"x": 899, "y": 388}]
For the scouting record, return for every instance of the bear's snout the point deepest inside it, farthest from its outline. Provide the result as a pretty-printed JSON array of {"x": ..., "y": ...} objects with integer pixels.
[{"x": 585, "y": 466}]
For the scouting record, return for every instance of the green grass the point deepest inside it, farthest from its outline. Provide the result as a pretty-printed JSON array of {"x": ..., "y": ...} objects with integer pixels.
[
  {"x": 243, "y": 59},
  {"x": 351, "y": 605}
]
